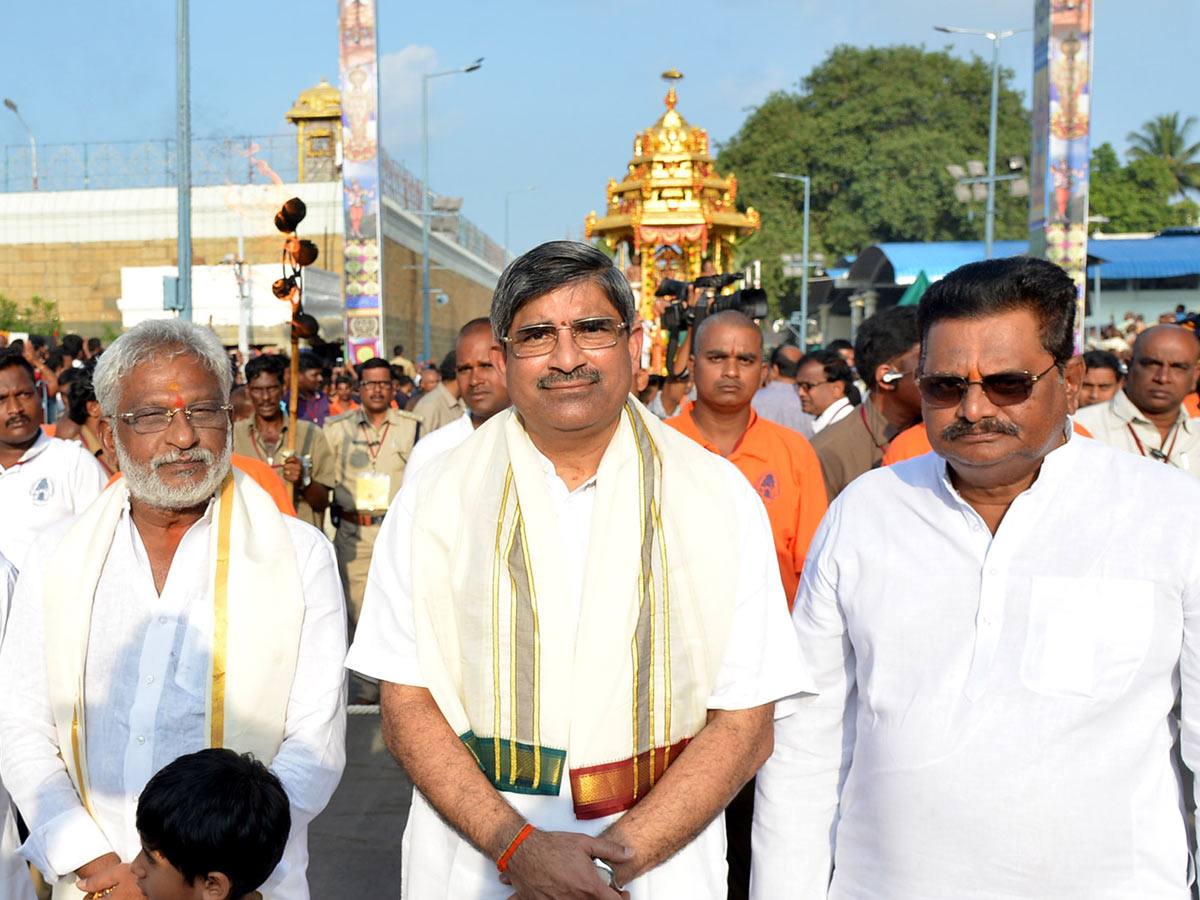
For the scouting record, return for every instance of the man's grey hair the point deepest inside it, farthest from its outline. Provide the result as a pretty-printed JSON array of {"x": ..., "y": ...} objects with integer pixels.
[
  {"x": 162, "y": 339},
  {"x": 550, "y": 266}
]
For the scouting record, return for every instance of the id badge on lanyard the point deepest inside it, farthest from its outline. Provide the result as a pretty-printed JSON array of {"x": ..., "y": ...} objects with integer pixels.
[{"x": 372, "y": 490}]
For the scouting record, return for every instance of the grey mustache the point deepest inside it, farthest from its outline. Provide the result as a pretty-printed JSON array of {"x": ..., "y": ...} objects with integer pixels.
[
  {"x": 590, "y": 376},
  {"x": 959, "y": 429}
]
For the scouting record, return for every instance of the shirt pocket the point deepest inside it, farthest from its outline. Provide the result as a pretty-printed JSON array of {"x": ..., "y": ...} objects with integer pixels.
[{"x": 1086, "y": 637}]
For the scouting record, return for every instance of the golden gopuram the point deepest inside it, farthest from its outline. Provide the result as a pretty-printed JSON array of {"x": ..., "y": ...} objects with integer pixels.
[{"x": 674, "y": 212}]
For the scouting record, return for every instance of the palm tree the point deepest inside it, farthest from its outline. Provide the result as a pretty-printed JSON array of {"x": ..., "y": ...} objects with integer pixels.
[{"x": 1163, "y": 137}]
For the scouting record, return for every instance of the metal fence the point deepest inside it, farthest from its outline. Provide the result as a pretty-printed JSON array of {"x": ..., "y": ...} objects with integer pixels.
[{"x": 240, "y": 159}]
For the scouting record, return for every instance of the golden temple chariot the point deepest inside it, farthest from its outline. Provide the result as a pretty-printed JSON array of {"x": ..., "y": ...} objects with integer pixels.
[{"x": 673, "y": 210}]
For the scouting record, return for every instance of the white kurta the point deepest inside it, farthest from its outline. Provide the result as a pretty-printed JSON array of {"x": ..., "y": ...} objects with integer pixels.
[
  {"x": 52, "y": 480},
  {"x": 434, "y": 444},
  {"x": 761, "y": 665},
  {"x": 999, "y": 707},
  {"x": 1121, "y": 424},
  {"x": 834, "y": 412},
  {"x": 145, "y": 695},
  {"x": 15, "y": 883}
]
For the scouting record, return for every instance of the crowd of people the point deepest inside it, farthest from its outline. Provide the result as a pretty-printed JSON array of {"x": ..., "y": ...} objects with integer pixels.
[{"x": 785, "y": 622}]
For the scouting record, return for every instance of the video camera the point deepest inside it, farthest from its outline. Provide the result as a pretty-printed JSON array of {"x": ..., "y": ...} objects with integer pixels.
[{"x": 678, "y": 316}]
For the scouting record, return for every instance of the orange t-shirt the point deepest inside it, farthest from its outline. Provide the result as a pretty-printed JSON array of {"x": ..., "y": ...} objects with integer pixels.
[
  {"x": 1192, "y": 404},
  {"x": 264, "y": 476},
  {"x": 915, "y": 442},
  {"x": 336, "y": 408},
  {"x": 783, "y": 467}
]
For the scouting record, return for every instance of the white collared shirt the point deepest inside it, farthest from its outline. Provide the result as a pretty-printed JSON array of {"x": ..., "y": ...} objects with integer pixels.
[
  {"x": 999, "y": 707},
  {"x": 1121, "y": 424},
  {"x": 760, "y": 665},
  {"x": 146, "y": 692},
  {"x": 834, "y": 412},
  {"x": 52, "y": 480},
  {"x": 15, "y": 883},
  {"x": 434, "y": 444}
]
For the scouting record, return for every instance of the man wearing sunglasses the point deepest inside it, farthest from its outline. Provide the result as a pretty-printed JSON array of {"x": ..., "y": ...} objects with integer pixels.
[
  {"x": 1147, "y": 416},
  {"x": 579, "y": 628},
  {"x": 998, "y": 668}
]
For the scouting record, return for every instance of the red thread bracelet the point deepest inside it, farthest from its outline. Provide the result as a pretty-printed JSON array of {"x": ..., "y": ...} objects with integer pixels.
[{"x": 502, "y": 862}]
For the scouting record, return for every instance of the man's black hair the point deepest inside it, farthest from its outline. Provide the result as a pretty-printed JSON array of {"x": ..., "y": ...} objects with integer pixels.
[
  {"x": 449, "y": 367},
  {"x": 1104, "y": 359},
  {"x": 402, "y": 379},
  {"x": 266, "y": 365},
  {"x": 839, "y": 344},
  {"x": 309, "y": 361},
  {"x": 79, "y": 392},
  {"x": 996, "y": 286},
  {"x": 10, "y": 357},
  {"x": 216, "y": 811},
  {"x": 39, "y": 341},
  {"x": 72, "y": 345},
  {"x": 836, "y": 369},
  {"x": 93, "y": 345},
  {"x": 787, "y": 367},
  {"x": 375, "y": 363},
  {"x": 883, "y": 337},
  {"x": 55, "y": 359}
]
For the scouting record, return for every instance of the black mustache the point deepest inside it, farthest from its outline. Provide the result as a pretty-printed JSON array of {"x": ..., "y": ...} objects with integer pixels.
[
  {"x": 589, "y": 376},
  {"x": 961, "y": 428}
]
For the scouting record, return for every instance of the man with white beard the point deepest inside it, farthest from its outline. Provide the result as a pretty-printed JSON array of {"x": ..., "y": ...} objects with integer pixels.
[{"x": 180, "y": 611}]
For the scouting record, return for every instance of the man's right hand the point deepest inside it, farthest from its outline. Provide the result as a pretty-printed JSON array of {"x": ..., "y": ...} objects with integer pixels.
[
  {"x": 292, "y": 470},
  {"x": 557, "y": 865},
  {"x": 107, "y": 872}
]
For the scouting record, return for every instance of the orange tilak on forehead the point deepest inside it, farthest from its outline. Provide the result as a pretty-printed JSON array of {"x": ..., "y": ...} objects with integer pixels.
[
  {"x": 178, "y": 402},
  {"x": 973, "y": 372}
]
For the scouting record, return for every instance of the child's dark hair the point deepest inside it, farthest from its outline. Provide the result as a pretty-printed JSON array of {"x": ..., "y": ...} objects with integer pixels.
[{"x": 216, "y": 811}]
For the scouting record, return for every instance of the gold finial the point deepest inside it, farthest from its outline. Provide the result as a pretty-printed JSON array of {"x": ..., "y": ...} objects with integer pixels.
[{"x": 671, "y": 76}]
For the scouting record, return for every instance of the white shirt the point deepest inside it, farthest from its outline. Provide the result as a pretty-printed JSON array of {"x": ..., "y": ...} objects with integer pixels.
[
  {"x": 1121, "y": 424},
  {"x": 761, "y": 665},
  {"x": 15, "y": 883},
  {"x": 434, "y": 444},
  {"x": 834, "y": 412},
  {"x": 52, "y": 480},
  {"x": 999, "y": 707},
  {"x": 146, "y": 689}
]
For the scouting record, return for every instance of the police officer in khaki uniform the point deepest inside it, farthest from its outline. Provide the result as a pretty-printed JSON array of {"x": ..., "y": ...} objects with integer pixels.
[
  {"x": 309, "y": 471},
  {"x": 370, "y": 448}
]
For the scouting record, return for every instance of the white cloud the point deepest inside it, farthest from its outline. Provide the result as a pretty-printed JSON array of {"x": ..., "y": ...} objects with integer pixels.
[{"x": 400, "y": 92}]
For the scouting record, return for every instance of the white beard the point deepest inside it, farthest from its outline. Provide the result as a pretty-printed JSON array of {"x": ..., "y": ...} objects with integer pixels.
[{"x": 145, "y": 485}]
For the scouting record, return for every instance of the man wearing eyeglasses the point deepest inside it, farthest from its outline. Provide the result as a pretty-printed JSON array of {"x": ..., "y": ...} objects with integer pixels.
[
  {"x": 1147, "y": 415},
  {"x": 826, "y": 388},
  {"x": 370, "y": 448},
  {"x": 42, "y": 480},
  {"x": 181, "y": 610},
  {"x": 998, "y": 667},
  {"x": 578, "y": 625}
]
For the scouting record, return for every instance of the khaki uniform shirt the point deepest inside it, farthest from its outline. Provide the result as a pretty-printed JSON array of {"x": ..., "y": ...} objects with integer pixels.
[
  {"x": 437, "y": 408},
  {"x": 360, "y": 450},
  {"x": 310, "y": 442},
  {"x": 1121, "y": 424},
  {"x": 851, "y": 446}
]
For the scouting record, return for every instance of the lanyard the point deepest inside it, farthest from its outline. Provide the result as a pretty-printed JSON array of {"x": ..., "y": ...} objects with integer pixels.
[
  {"x": 374, "y": 448},
  {"x": 1161, "y": 455},
  {"x": 260, "y": 450},
  {"x": 862, "y": 412}
]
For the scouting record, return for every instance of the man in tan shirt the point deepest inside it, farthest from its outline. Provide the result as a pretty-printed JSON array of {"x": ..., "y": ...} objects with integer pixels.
[
  {"x": 309, "y": 471},
  {"x": 442, "y": 405},
  {"x": 370, "y": 448}
]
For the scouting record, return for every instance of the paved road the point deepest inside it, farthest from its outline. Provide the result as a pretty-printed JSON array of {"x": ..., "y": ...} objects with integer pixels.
[{"x": 354, "y": 845}]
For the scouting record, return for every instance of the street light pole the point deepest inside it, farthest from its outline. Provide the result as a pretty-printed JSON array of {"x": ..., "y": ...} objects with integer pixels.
[
  {"x": 426, "y": 212},
  {"x": 989, "y": 222},
  {"x": 183, "y": 142},
  {"x": 804, "y": 261},
  {"x": 507, "y": 194},
  {"x": 32, "y": 142}
]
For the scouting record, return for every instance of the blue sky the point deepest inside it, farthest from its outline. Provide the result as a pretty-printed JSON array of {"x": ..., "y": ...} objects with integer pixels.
[{"x": 564, "y": 87}]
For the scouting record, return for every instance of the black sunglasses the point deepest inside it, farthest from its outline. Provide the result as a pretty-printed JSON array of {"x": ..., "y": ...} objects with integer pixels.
[{"x": 1001, "y": 388}]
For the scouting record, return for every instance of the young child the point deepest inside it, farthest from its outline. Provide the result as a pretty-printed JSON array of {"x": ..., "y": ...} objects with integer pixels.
[{"x": 213, "y": 826}]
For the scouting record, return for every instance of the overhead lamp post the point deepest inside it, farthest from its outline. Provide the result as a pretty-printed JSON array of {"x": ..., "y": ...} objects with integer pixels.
[
  {"x": 995, "y": 37},
  {"x": 507, "y": 194},
  {"x": 804, "y": 261},
  {"x": 32, "y": 143},
  {"x": 425, "y": 211}
]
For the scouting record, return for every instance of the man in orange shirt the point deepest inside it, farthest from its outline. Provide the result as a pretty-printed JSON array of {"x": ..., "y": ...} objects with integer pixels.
[{"x": 727, "y": 365}]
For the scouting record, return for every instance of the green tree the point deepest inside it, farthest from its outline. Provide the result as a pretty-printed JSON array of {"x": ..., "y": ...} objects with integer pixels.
[
  {"x": 1135, "y": 197},
  {"x": 1164, "y": 138},
  {"x": 39, "y": 316},
  {"x": 874, "y": 128}
]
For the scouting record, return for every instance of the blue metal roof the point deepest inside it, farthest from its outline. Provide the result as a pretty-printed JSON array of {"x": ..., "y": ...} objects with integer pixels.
[
  {"x": 1166, "y": 256},
  {"x": 938, "y": 258}
]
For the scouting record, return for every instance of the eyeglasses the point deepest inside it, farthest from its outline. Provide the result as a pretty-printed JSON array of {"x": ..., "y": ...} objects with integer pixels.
[
  {"x": 588, "y": 334},
  {"x": 1001, "y": 388},
  {"x": 376, "y": 385},
  {"x": 809, "y": 385},
  {"x": 150, "y": 421}
]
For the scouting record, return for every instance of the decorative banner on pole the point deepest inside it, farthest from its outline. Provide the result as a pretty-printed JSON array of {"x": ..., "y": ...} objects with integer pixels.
[
  {"x": 1062, "y": 89},
  {"x": 363, "y": 223}
]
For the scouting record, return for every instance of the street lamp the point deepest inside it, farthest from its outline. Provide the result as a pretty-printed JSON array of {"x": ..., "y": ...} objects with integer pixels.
[
  {"x": 804, "y": 262},
  {"x": 32, "y": 142},
  {"x": 425, "y": 211},
  {"x": 995, "y": 37},
  {"x": 507, "y": 194}
]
